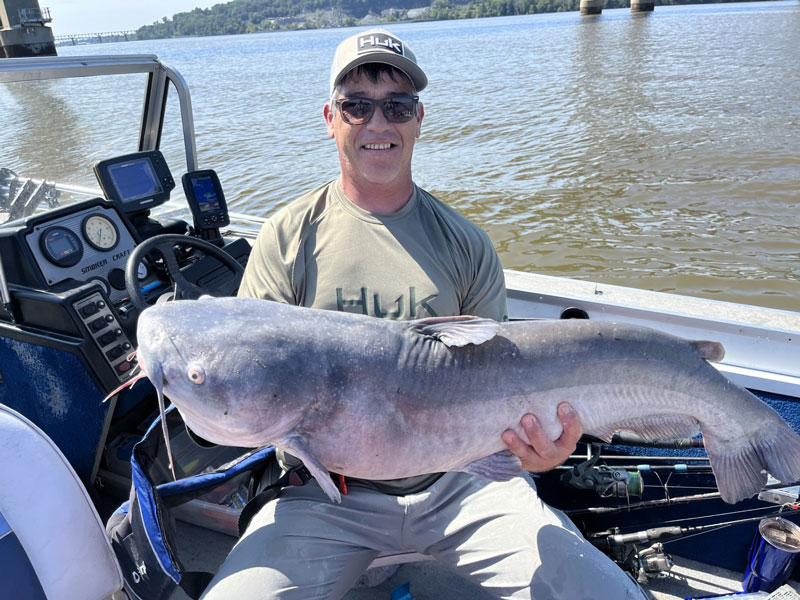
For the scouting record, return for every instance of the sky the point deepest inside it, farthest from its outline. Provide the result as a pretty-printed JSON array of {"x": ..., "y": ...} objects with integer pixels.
[{"x": 99, "y": 16}]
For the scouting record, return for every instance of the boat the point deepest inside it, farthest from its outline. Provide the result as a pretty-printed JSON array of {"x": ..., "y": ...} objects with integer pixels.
[{"x": 71, "y": 298}]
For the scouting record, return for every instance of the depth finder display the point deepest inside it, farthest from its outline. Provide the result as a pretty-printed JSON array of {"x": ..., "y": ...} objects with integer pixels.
[
  {"x": 135, "y": 179},
  {"x": 206, "y": 199},
  {"x": 205, "y": 193},
  {"x": 135, "y": 182}
]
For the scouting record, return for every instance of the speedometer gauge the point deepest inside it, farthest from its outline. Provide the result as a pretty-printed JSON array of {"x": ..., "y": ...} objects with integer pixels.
[{"x": 100, "y": 232}]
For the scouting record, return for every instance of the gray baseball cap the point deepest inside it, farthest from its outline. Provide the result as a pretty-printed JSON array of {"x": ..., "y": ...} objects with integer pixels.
[{"x": 376, "y": 46}]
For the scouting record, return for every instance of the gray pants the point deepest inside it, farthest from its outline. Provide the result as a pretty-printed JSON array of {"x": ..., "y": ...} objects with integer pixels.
[{"x": 500, "y": 535}]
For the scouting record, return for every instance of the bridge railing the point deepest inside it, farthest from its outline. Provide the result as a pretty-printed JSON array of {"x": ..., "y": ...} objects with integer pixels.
[
  {"x": 94, "y": 38},
  {"x": 34, "y": 16}
]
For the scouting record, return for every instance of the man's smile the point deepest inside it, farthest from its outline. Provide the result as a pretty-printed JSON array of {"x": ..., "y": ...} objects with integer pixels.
[{"x": 384, "y": 146}]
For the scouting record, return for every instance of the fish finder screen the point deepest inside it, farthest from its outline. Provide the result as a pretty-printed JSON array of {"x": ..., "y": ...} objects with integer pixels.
[
  {"x": 135, "y": 179},
  {"x": 205, "y": 193}
]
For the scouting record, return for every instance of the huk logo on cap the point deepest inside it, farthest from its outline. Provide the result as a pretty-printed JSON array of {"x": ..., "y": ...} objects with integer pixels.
[{"x": 378, "y": 41}]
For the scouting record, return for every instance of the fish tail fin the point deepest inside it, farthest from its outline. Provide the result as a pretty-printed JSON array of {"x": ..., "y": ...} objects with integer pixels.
[
  {"x": 781, "y": 454},
  {"x": 739, "y": 464}
]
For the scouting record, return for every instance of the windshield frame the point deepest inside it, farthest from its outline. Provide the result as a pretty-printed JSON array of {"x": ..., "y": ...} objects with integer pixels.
[{"x": 159, "y": 76}]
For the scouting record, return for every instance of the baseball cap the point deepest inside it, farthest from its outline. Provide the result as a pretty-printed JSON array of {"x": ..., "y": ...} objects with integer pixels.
[{"x": 376, "y": 46}]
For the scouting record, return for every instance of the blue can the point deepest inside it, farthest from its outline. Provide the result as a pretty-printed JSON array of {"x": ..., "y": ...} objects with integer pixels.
[{"x": 773, "y": 552}]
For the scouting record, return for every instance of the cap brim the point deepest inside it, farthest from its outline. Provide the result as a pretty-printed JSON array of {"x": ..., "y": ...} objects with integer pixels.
[{"x": 410, "y": 68}]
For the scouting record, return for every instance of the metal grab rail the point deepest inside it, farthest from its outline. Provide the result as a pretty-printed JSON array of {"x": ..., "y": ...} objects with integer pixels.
[{"x": 62, "y": 67}]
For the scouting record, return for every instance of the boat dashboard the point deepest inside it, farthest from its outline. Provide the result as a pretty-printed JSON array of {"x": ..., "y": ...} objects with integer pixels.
[
  {"x": 70, "y": 278},
  {"x": 80, "y": 262}
]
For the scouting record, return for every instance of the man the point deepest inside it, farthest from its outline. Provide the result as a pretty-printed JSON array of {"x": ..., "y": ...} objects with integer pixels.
[{"x": 374, "y": 243}]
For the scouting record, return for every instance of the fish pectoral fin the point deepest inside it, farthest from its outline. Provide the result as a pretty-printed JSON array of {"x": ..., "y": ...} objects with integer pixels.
[
  {"x": 651, "y": 428},
  {"x": 298, "y": 446},
  {"x": 457, "y": 331},
  {"x": 500, "y": 466}
]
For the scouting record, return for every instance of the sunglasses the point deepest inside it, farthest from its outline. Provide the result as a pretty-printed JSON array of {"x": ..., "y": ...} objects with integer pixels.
[{"x": 396, "y": 109}]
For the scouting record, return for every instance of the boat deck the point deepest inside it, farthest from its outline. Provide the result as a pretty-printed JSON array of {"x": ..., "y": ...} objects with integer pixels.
[{"x": 202, "y": 549}]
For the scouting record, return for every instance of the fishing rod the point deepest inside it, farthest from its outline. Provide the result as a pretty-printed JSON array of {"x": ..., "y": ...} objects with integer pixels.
[
  {"x": 625, "y": 481},
  {"x": 642, "y": 552},
  {"x": 628, "y": 438},
  {"x": 610, "y": 538},
  {"x": 621, "y": 481},
  {"x": 775, "y": 493},
  {"x": 653, "y": 560},
  {"x": 608, "y": 510}
]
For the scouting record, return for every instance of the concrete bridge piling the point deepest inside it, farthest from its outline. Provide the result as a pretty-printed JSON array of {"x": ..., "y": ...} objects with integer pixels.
[
  {"x": 591, "y": 7},
  {"x": 595, "y": 7},
  {"x": 24, "y": 30},
  {"x": 639, "y": 6}
]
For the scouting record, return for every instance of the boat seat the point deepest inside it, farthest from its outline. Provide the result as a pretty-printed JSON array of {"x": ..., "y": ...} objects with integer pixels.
[{"x": 53, "y": 545}]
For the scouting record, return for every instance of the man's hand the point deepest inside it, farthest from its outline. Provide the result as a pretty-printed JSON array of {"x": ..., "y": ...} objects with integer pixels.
[{"x": 544, "y": 454}]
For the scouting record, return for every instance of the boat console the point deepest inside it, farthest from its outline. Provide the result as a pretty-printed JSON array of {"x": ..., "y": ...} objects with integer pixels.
[{"x": 78, "y": 277}]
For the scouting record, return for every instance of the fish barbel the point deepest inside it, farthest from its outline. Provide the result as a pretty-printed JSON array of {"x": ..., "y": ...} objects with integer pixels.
[{"x": 381, "y": 399}]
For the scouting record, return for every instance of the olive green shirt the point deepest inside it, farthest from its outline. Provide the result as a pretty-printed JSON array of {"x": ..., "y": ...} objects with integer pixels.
[{"x": 425, "y": 260}]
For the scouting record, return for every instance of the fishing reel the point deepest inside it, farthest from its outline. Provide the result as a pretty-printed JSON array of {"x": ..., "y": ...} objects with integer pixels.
[
  {"x": 652, "y": 562},
  {"x": 624, "y": 549},
  {"x": 606, "y": 481}
]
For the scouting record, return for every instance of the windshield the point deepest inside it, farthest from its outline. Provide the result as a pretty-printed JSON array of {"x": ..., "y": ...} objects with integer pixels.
[{"x": 54, "y": 131}]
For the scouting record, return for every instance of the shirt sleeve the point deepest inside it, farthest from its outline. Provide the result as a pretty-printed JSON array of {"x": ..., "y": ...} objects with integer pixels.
[
  {"x": 268, "y": 274},
  {"x": 486, "y": 296}
]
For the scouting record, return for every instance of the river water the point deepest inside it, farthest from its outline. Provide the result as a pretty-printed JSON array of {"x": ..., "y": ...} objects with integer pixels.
[{"x": 659, "y": 151}]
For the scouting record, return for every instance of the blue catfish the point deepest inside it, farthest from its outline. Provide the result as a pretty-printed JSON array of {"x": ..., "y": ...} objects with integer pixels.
[{"x": 382, "y": 399}]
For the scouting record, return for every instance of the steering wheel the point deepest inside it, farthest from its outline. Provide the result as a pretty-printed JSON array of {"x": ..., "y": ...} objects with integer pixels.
[{"x": 164, "y": 244}]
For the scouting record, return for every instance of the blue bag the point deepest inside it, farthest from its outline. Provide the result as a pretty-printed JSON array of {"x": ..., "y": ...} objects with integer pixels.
[{"x": 142, "y": 530}]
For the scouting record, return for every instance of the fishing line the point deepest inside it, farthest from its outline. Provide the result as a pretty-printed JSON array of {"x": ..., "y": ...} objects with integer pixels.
[
  {"x": 675, "y": 459},
  {"x": 713, "y": 528},
  {"x": 680, "y": 487},
  {"x": 715, "y": 515}
]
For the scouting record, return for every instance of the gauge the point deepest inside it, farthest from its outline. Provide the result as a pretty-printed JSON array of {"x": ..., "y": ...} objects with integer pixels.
[
  {"x": 101, "y": 282},
  {"x": 61, "y": 246},
  {"x": 100, "y": 232},
  {"x": 142, "y": 272}
]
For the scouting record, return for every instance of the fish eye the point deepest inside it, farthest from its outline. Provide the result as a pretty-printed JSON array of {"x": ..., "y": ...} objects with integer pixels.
[{"x": 196, "y": 374}]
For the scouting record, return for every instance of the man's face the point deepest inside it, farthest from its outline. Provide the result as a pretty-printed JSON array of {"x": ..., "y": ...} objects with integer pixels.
[{"x": 377, "y": 152}]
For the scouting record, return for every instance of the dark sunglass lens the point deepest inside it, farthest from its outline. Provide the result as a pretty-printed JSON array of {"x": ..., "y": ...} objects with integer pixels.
[
  {"x": 398, "y": 110},
  {"x": 358, "y": 110}
]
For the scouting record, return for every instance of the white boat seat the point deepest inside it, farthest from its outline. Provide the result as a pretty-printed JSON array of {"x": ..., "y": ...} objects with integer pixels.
[{"x": 49, "y": 528}]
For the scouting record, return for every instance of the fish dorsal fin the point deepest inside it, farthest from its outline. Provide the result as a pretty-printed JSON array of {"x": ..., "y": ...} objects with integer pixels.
[
  {"x": 457, "y": 331},
  {"x": 710, "y": 350}
]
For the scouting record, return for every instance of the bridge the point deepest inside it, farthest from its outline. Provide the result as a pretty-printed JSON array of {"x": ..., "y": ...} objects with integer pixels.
[{"x": 94, "y": 38}]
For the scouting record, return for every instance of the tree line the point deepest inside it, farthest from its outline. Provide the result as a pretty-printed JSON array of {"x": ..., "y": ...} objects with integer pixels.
[{"x": 251, "y": 16}]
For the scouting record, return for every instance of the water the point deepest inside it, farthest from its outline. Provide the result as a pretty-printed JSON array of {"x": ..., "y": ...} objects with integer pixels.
[{"x": 659, "y": 151}]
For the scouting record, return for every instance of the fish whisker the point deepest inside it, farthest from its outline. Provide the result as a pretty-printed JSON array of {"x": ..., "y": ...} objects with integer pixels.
[{"x": 128, "y": 384}]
